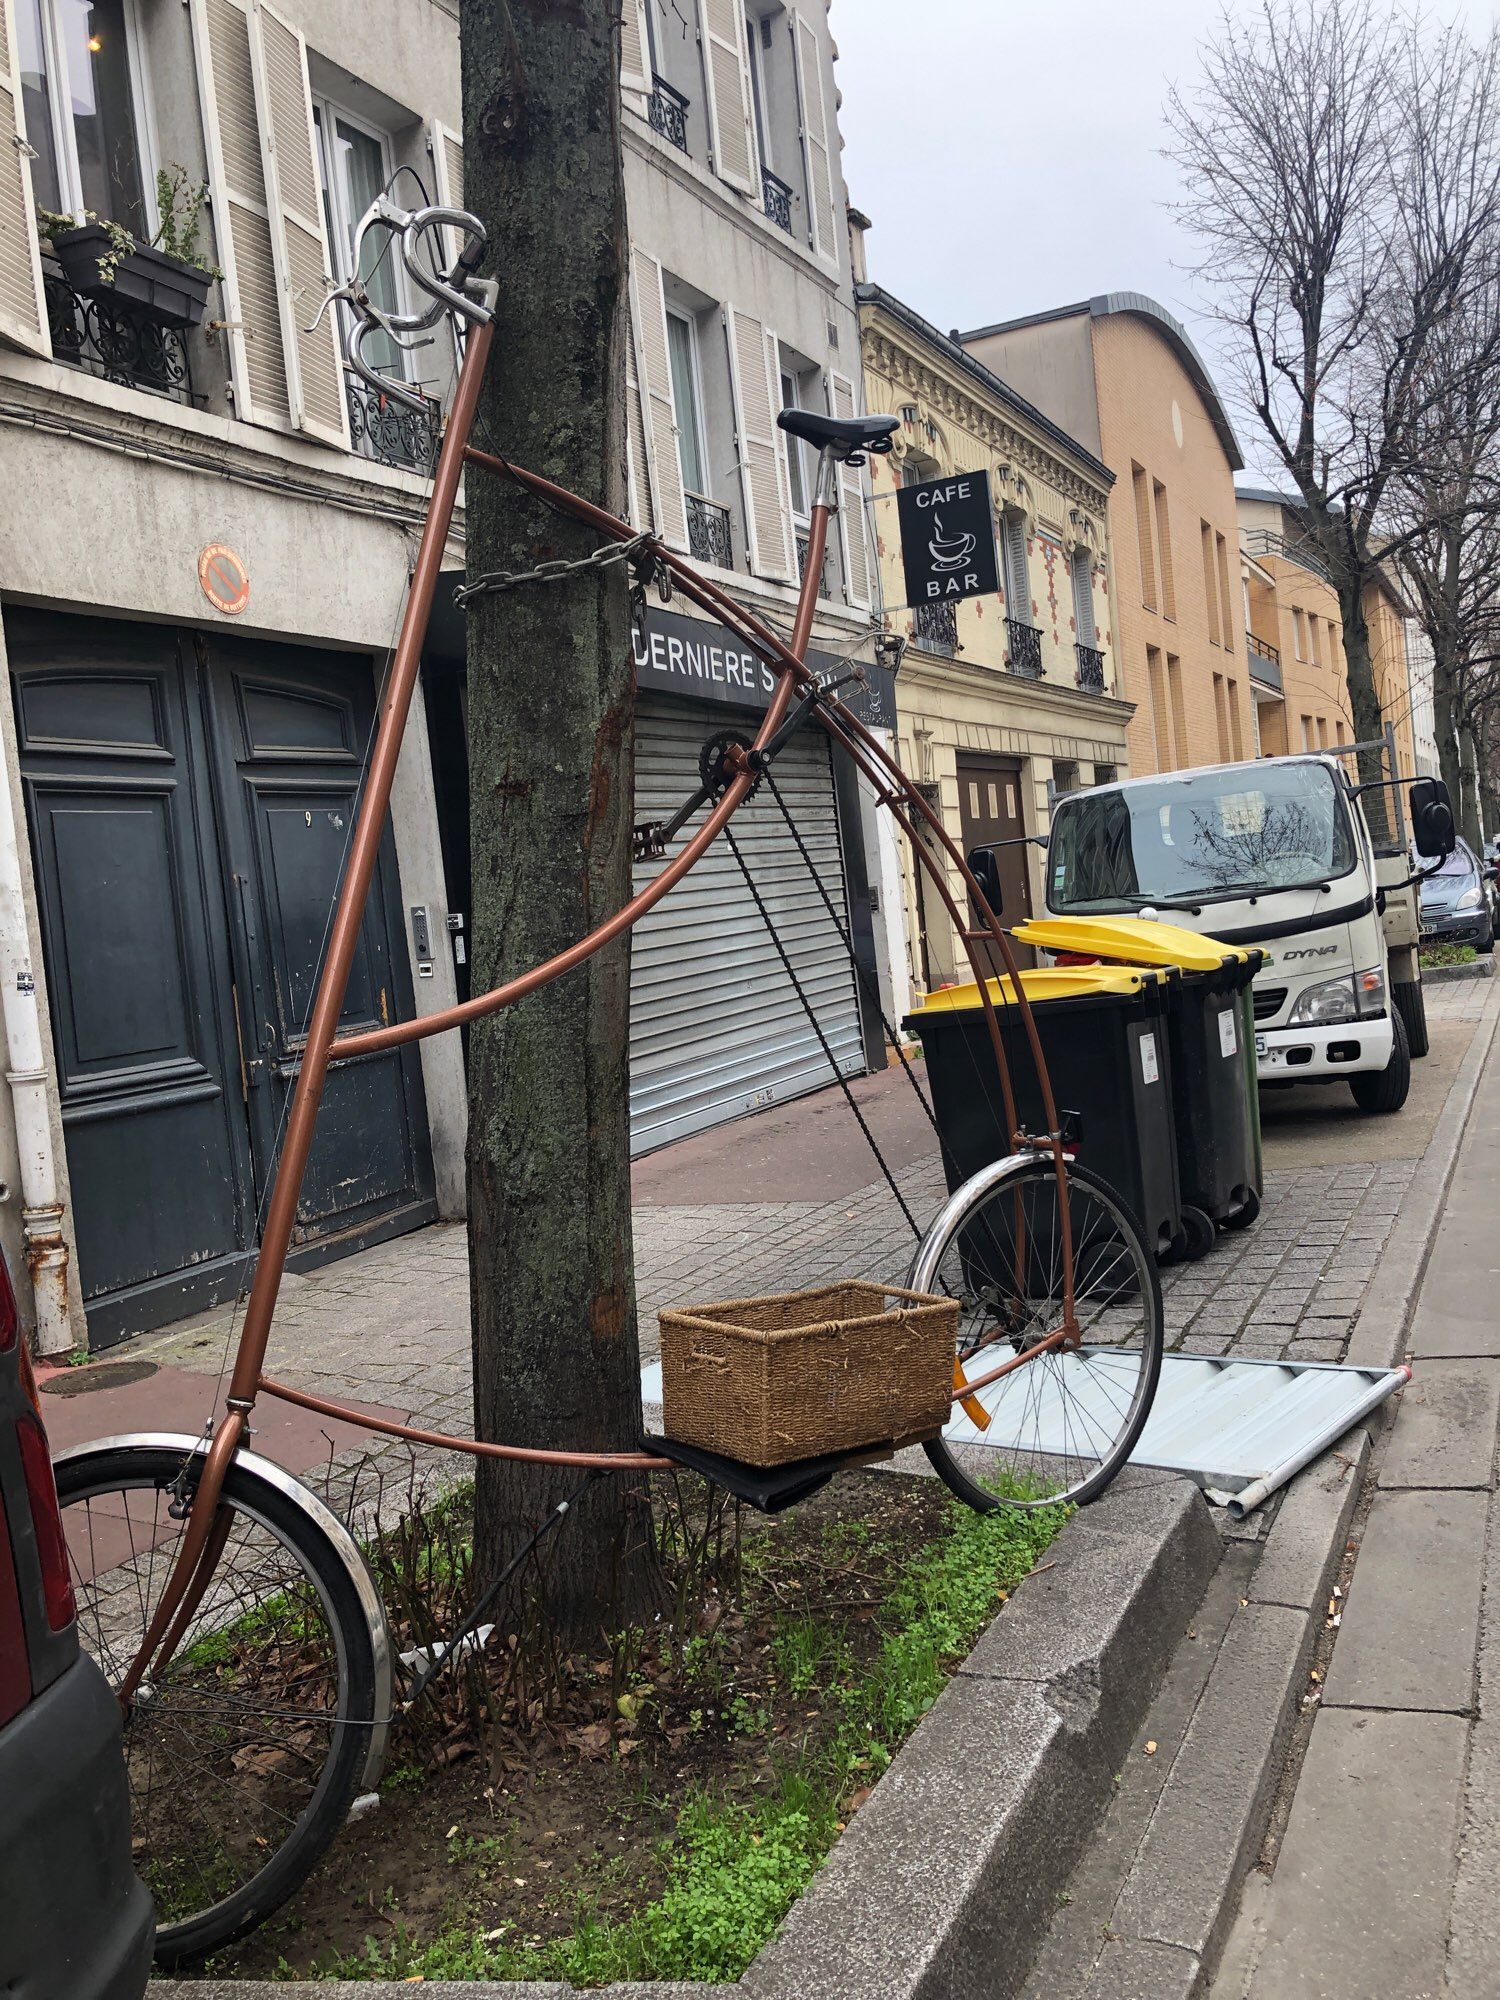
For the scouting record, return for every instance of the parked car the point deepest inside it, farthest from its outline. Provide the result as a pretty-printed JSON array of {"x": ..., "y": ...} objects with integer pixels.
[
  {"x": 1456, "y": 905},
  {"x": 76, "y": 1922}
]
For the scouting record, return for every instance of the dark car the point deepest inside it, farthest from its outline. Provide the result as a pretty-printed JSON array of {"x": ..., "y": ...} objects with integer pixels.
[
  {"x": 75, "y": 1920},
  {"x": 1455, "y": 903}
]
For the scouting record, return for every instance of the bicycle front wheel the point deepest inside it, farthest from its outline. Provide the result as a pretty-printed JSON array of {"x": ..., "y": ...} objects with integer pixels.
[
  {"x": 245, "y": 1751},
  {"x": 1060, "y": 1422}
]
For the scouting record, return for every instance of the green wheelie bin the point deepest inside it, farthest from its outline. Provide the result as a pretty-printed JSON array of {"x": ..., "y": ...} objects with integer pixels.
[
  {"x": 1211, "y": 1031},
  {"x": 1103, "y": 1031}
]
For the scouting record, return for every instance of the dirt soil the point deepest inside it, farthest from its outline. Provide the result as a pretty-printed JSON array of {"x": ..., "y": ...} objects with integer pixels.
[{"x": 512, "y": 1829}]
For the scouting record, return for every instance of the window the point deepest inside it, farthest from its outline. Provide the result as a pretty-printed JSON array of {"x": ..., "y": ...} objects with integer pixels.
[
  {"x": 1299, "y": 629},
  {"x": 1226, "y": 617},
  {"x": 80, "y": 89},
  {"x": 1307, "y": 733},
  {"x": 1064, "y": 776},
  {"x": 1210, "y": 588},
  {"x": 353, "y": 166},
  {"x": 1221, "y": 718},
  {"x": 1179, "y": 707},
  {"x": 1082, "y": 566},
  {"x": 796, "y": 451},
  {"x": 1160, "y": 716},
  {"x": 1143, "y": 537},
  {"x": 1236, "y": 736},
  {"x": 1312, "y": 633},
  {"x": 757, "y": 88},
  {"x": 1164, "y": 550},
  {"x": 1105, "y": 774},
  {"x": 682, "y": 349}
]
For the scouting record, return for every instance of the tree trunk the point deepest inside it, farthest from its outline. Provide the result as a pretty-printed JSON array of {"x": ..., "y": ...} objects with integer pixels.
[
  {"x": 1445, "y": 728},
  {"x": 551, "y": 757},
  {"x": 1468, "y": 795},
  {"x": 1364, "y": 702}
]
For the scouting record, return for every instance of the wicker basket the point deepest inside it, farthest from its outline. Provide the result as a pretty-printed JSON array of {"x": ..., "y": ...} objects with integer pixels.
[{"x": 803, "y": 1374}]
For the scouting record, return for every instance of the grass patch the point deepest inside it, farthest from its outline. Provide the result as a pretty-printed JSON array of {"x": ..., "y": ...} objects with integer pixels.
[
  {"x": 728, "y": 1859},
  {"x": 1433, "y": 955}
]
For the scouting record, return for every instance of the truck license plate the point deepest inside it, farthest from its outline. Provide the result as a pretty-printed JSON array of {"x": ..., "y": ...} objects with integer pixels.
[{"x": 1260, "y": 1045}]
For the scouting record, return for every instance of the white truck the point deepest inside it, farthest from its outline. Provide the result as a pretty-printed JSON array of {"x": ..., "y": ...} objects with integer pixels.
[{"x": 1276, "y": 853}]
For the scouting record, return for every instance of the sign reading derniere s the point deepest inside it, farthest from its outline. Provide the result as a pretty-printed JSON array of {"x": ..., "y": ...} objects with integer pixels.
[{"x": 947, "y": 538}]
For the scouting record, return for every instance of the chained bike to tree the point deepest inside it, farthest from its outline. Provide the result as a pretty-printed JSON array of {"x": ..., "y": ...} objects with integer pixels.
[{"x": 191, "y": 1554}]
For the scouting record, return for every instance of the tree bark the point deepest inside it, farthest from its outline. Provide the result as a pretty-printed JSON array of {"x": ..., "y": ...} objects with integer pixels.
[
  {"x": 1467, "y": 796},
  {"x": 1445, "y": 728},
  {"x": 1364, "y": 702},
  {"x": 551, "y": 757}
]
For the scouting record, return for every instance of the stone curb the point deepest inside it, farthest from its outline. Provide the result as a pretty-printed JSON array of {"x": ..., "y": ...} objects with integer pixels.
[
  {"x": 946, "y": 1880},
  {"x": 1474, "y": 968},
  {"x": 1178, "y": 1899}
]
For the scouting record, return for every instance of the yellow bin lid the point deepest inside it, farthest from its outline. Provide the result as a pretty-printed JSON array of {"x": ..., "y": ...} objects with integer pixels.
[
  {"x": 1062, "y": 982},
  {"x": 1130, "y": 941}
]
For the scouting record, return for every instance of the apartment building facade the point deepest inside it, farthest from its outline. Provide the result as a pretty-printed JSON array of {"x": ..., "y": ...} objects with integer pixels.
[
  {"x": 1119, "y": 373},
  {"x": 202, "y": 585},
  {"x": 1003, "y": 700}
]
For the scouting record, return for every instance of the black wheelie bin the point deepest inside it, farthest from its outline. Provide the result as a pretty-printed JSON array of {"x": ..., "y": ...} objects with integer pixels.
[
  {"x": 1103, "y": 1031},
  {"x": 1211, "y": 1031}
]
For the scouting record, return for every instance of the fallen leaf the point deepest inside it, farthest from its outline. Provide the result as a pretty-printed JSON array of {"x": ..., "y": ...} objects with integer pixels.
[
  {"x": 857, "y": 1799},
  {"x": 1151, "y": 1748}
]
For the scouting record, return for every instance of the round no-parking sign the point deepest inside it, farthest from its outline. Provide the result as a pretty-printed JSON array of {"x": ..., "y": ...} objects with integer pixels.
[{"x": 225, "y": 580}]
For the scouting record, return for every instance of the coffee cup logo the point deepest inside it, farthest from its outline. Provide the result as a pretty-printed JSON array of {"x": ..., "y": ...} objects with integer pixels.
[{"x": 949, "y": 551}]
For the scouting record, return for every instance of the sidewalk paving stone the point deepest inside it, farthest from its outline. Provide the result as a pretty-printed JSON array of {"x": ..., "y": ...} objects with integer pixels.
[{"x": 1446, "y": 1437}]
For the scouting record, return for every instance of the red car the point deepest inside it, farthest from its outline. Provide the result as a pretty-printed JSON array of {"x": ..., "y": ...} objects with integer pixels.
[{"x": 75, "y": 1920}]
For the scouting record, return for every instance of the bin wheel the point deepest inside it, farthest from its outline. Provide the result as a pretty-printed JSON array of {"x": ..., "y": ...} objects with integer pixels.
[
  {"x": 1247, "y": 1213},
  {"x": 1198, "y": 1233},
  {"x": 1060, "y": 1422}
]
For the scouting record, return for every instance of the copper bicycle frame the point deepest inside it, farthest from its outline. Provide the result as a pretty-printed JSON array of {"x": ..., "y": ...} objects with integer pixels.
[{"x": 204, "y": 1536}]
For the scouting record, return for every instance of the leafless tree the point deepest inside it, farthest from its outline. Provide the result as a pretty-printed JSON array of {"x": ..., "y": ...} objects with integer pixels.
[{"x": 1343, "y": 168}]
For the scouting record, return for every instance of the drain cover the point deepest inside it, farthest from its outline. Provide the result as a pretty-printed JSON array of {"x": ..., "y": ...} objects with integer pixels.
[{"x": 107, "y": 1375}]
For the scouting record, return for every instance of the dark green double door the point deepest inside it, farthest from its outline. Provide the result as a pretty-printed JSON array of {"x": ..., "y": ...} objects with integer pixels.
[{"x": 188, "y": 798}]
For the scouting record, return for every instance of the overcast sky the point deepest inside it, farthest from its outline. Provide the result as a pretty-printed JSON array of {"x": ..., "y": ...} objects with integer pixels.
[{"x": 1009, "y": 156}]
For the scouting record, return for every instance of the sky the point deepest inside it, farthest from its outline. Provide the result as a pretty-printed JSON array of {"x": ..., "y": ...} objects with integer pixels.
[{"x": 1009, "y": 155}]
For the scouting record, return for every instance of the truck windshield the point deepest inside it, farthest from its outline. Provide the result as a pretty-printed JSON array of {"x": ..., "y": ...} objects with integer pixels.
[{"x": 1203, "y": 837}]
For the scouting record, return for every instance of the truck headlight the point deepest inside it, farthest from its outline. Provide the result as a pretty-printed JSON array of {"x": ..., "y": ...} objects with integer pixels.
[
  {"x": 1331, "y": 1000},
  {"x": 1369, "y": 991},
  {"x": 1470, "y": 899}
]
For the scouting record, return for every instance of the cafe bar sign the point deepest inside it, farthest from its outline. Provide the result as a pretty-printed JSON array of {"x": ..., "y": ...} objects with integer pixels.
[{"x": 948, "y": 538}]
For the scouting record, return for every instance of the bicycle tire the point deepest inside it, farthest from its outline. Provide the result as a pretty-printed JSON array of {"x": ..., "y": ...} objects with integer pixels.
[
  {"x": 1006, "y": 1180},
  {"x": 191, "y": 1933}
]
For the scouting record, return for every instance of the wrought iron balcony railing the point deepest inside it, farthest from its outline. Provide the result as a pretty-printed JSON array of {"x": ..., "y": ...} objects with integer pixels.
[
  {"x": 1265, "y": 661},
  {"x": 935, "y": 627},
  {"x": 708, "y": 531},
  {"x": 1025, "y": 646},
  {"x": 666, "y": 112},
  {"x": 777, "y": 197},
  {"x": 116, "y": 340},
  {"x": 1266, "y": 542},
  {"x": 1090, "y": 668},
  {"x": 823, "y": 587},
  {"x": 389, "y": 432}
]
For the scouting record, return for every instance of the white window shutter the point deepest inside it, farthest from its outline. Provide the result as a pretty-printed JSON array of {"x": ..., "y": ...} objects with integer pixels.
[
  {"x": 750, "y": 378},
  {"x": 637, "y": 477},
  {"x": 1083, "y": 596},
  {"x": 648, "y": 316},
  {"x": 242, "y": 229},
  {"x": 635, "y": 47},
  {"x": 299, "y": 246},
  {"x": 23, "y": 318},
  {"x": 727, "y": 64},
  {"x": 447, "y": 151},
  {"x": 817, "y": 152},
  {"x": 1017, "y": 570},
  {"x": 851, "y": 507},
  {"x": 780, "y": 441}
]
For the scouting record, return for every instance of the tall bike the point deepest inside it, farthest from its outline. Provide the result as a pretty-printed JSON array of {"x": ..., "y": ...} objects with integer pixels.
[{"x": 232, "y": 1611}]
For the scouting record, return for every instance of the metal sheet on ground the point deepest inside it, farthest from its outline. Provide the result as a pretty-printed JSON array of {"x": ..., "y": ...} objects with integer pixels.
[{"x": 1240, "y": 1429}]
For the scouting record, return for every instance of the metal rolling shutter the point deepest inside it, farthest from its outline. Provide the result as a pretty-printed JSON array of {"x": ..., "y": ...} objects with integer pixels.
[{"x": 715, "y": 1027}]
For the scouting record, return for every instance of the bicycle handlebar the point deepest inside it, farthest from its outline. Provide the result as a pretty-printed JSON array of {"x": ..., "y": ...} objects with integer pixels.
[{"x": 452, "y": 288}]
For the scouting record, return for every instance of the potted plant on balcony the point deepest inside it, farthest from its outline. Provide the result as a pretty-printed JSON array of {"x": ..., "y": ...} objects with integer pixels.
[{"x": 165, "y": 280}]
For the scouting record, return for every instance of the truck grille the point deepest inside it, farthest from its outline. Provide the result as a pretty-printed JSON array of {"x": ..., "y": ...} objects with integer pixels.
[{"x": 1268, "y": 1000}]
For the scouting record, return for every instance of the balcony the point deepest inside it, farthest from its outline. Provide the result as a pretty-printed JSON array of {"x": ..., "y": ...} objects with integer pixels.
[
  {"x": 1265, "y": 542},
  {"x": 708, "y": 531},
  {"x": 389, "y": 432},
  {"x": 116, "y": 340},
  {"x": 935, "y": 628},
  {"x": 666, "y": 113},
  {"x": 777, "y": 198},
  {"x": 1265, "y": 661},
  {"x": 1090, "y": 668},
  {"x": 1024, "y": 644}
]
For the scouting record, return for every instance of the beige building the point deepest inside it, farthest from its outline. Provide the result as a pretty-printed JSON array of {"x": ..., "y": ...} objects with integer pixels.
[
  {"x": 1119, "y": 373},
  {"x": 1002, "y": 699},
  {"x": 1294, "y": 633}
]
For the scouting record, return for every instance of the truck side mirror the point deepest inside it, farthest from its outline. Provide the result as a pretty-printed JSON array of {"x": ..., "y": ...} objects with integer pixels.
[
  {"x": 986, "y": 872},
  {"x": 1432, "y": 830}
]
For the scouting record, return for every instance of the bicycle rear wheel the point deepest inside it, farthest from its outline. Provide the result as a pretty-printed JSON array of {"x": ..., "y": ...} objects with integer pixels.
[
  {"x": 245, "y": 1752},
  {"x": 1063, "y": 1422}
]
